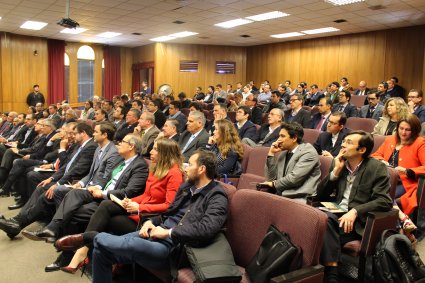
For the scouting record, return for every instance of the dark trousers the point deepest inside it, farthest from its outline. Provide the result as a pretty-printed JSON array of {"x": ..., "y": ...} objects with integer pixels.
[
  {"x": 334, "y": 239},
  {"x": 36, "y": 208},
  {"x": 20, "y": 168},
  {"x": 7, "y": 160}
]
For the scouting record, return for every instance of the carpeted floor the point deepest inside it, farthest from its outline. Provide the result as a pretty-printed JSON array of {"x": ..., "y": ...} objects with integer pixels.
[{"x": 23, "y": 260}]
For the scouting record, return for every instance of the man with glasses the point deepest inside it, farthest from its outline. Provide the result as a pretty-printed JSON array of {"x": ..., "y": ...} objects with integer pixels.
[
  {"x": 297, "y": 113},
  {"x": 269, "y": 132},
  {"x": 319, "y": 121},
  {"x": 328, "y": 143},
  {"x": 362, "y": 185},
  {"x": 415, "y": 104},
  {"x": 344, "y": 104},
  {"x": 256, "y": 112},
  {"x": 374, "y": 107}
]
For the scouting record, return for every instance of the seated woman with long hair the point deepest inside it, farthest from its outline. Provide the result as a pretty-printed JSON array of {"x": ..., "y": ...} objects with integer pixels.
[
  {"x": 395, "y": 109},
  {"x": 405, "y": 151},
  {"x": 227, "y": 146},
  {"x": 165, "y": 177}
]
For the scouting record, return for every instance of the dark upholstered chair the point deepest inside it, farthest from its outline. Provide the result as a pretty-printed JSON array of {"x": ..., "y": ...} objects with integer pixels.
[
  {"x": 257, "y": 160},
  {"x": 252, "y": 212},
  {"x": 325, "y": 164},
  {"x": 232, "y": 116},
  {"x": 365, "y": 124},
  {"x": 357, "y": 100},
  {"x": 377, "y": 141},
  {"x": 311, "y": 135},
  {"x": 249, "y": 181},
  {"x": 185, "y": 111}
]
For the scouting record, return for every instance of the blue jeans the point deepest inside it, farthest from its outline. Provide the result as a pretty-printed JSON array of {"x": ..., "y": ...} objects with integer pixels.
[{"x": 129, "y": 248}]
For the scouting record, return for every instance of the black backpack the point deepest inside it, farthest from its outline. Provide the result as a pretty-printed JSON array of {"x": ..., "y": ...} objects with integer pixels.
[{"x": 395, "y": 261}]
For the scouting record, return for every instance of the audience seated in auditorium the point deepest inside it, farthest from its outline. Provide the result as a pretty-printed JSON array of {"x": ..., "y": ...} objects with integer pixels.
[
  {"x": 209, "y": 96},
  {"x": 362, "y": 185},
  {"x": 295, "y": 171},
  {"x": 416, "y": 107},
  {"x": 275, "y": 102},
  {"x": 131, "y": 122},
  {"x": 138, "y": 104},
  {"x": 220, "y": 94},
  {"x": 269, "y": 132},
  {"x": 246, "y": 92},
  {"x": 297, "y": 113},
  {"x": 344, "y": 85},
  {"x": 246, "y": 129},
  {"x": 108, "y": 107},
  {"x": 329, "y": 142},
  {"x": 54, "y": 115},
  {"x": 319, "y": 121},
  {"x": 148, "y": 131},
  {"x": 166, "y": 104},
  {"x": 256, "y": 112},
  {"x": 313, "y": 97},
  {"x": 118, "y": 116},
  {"x": 183, "y": 100},
  {"x": 227, "y": 147},
  {"x": 395, "y": 109},
  {"x": 175, "y": 113},
  {"x": 155, "y": 108},
  {"x": 219, "y": 112},
  {"x": 199, "y": 95},
  {"x": 333, "y": 92},
  {"x": 100, "y": 115},
  {"x": 362, "y": 90},
  {"x": 383, "y": 88},
  {"x": 88, "y": 112},
  {"x": 374, "y": 108},
  {"x": 392, "y": 91},
  {"x": 170, "y": 130},
  {"x": 399, "y": 89},
  {"x": 264, "y": 96},
  {"x": 195, "y": 136},
  {"x": 344, "y": 104},
  {"x": 234, "y": 101}
]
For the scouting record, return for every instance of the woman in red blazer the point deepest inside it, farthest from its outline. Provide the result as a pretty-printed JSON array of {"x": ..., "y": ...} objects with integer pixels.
[
  {"x": 405, "y": 151},
  {"x": 165, "y": 178}
]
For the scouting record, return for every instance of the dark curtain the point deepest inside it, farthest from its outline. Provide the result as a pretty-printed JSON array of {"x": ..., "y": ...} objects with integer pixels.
[
  {"x": 56, "y": 85},
  {"x": 112, "y": 79}
]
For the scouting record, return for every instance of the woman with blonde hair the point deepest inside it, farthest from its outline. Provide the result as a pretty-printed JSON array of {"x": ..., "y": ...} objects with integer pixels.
[
  {"x": 165, "y": 177},
  {"x": 227, "y": 146},
  {"x": 395, "y": 109}
]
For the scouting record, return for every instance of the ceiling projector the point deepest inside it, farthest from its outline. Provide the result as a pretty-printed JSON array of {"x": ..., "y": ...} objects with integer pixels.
[{"x": 68, "y": 23}]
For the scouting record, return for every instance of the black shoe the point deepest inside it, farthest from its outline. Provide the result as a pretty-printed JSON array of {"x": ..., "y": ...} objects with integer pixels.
[
  {"x": 55, "y": 266},
  {"x": 18, "y": 198},
  {"x": 17, "y": 205},
  {"x": 42, "y": 235},
  {"x": 10, "y": 226},
  {"x": 4, "y": 194}
]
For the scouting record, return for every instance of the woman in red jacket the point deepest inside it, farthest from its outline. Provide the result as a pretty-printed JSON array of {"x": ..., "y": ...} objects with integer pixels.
[
  {"x": 165, "y": 177},
  {"x": 405, "y": 151}
]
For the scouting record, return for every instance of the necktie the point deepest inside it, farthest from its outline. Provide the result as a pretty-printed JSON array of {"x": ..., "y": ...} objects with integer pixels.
[
  {"x": 320, "y": 124},
  {"x": 27, "y": 134},
  {"x": 114, "y": 173},
  {"x": 341, "y": 108},
  {"x": 100, "y": 155},
  {"x": 288, "y": 158},
  {"x": 188, "y": 143},
  {"x": 72, "y": 160}
]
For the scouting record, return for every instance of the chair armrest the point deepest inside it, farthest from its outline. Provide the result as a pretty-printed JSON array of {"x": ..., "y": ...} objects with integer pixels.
[{"x": 298, "y": 274}]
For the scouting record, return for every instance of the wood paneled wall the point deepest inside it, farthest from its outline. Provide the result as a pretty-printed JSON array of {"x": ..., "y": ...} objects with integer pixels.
[
  {"x": 372, "y": 56},
  {"x": 126, "y": 73},
  {"x": 21, "y": 69},
  {"x": 144, "y": 53},
  {"x": 167, "y": 64}
]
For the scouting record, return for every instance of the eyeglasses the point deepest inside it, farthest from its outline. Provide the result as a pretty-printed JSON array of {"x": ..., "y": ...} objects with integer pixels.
[
  {"x": 293, "y": 99},
  {"x": 371, "y": 98},
  {"x": 333, "y": 123},
  {"x": 348, "y": 141},
  {"x": 413, "y": 97},
  {"x": 123, "y": 141}
]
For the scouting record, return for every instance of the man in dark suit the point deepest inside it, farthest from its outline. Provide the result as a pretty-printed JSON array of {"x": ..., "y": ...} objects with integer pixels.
[
  {"x": 362, "y": 185},
  {"x": 269, "y": 132},
  {"x": 275, "y": 102},
  {"x": 344, "y": 104},
  {"x": 148, "y": 131},
  {"x": 154, "y": 108},
  {"x": 415, "y": 104},
  {"x": 256, "y": 112},
  {"x": 328, "y": 143},
  {"x": 392, "y": 91},
  {"x": 313, "y": 97},
  {"x": 175, "y": 113},
  {"x": 319, "y": 121},
  {"x": 131, "y": 122},
  {"x": 170, "y": 130},
  {"x": 245, "y": 127},
  {"x": 118, "y": 115},
  {"x": 297, "y": 113},
  {"x": 374, "y": 108},
  {"x": 398, "y": 88},
  {"x": 54, "y": 115},
  {"x": 42, "y": 202},
  {"x": 363, "y": 90},
  {"x": 195, "y": 136}
]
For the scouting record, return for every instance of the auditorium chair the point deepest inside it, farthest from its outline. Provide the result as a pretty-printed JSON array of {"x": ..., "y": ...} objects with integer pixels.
[
  {"x": 325, "y": 164},
  {"x": 265, "y": 118},
  {"x": 418, "y": 215},
  {"x": 250, "y": 215},
  {"x": 306, "y": 107},
  {"x": 357, "y": 100},
  {"x": 257, "y": 160},
  {"x": 232, "y": 116},
  {"x": 185, "y": 111},
  {"x": 311, "y": 135},
  {"x": 248, "y": 181},
  {"x": 365, "y": 124},
  {"x": 235, "y": 179},
  {"x": 377, "y": 141}
]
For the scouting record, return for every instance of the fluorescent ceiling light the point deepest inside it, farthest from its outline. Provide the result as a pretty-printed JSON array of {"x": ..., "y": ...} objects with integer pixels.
[
  {"x": 182, "y": 34},
  {"x": 343, "y": 2},
  {"x": 320, "y": 30},
  {"x": 233, "y": 23},
  {"x": 267, "y": 16},
  {"x": 108, "y": 34},
  {"x": 73, "y": 31},
  {"x": 33, "y": 25},
  {"x": 162, "y": 38},
  {"x": 285, "y": 35}
]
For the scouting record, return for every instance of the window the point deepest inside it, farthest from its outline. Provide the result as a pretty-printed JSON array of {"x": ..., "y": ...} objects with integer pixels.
[
  {"x": 225, "y": 67},
  {"x": 188, "y": 66},
  {"x": 66, "y": 76},
  {"x": 103, "y": 77},
  {"x": 85, "y": 56}
]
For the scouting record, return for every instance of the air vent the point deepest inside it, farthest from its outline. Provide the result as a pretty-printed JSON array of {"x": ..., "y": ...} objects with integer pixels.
[
  {"x": 340, "y": 21},
  {"x": 245, "y": 35},
  {"x": 203, "y": 37},
  {"x": 136, "y": 33},
  {"x": 178, "y": 22},
  {"x": 376, "y": 7}
]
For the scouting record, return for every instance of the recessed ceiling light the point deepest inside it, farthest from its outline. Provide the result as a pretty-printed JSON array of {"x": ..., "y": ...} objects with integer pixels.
[
  {"x": 33, "y": 25},
  {"x": 343, "y": 2},
  {"x": 288, "y": 34},
  {"x": 108, "y": 34},
  {"x": 320, "y": 30},
  {"x": 267, "y": 16},
  {"x": 245, "y": 35},
  {"x": 233, "y": 23},
  {"x": 182, "y": 34},
  {"x": 162, "y": 38},
  {"x": 73, "y": 30}
]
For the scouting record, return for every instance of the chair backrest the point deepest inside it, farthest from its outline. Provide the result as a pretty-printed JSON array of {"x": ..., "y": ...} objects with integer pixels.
[
  {"x": 314, "y": 110},
  {"x": 357, "y": 100},
  {"x": 325, "y": 164},
  {"x": 377, "y": 141},
  {"x": 246, "y": 152},
  {"x": 185, "y": 111},
  {"x": 252, "y": 212},
  {"x": 229, "y": 189},
  {"x": 249, "y": 181},
  {"x": 393, "y": 181},
  {"x": 257, "y": 160},
  {"x": 365, "y": 124},
  {"x": 232, "y": 116},
  {"x": 311, "y": 135},
  {"x": 306, "y": 107},
  {"x": 265, "y": 118}
]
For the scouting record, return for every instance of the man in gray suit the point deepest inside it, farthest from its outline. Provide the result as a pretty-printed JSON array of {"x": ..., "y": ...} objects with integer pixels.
[
  {"x": 374, "y": 108},
  {"x": 195, "y": 136},
  {"x": 295, "y": 171},
  {"x": 148, "y": 130}
]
